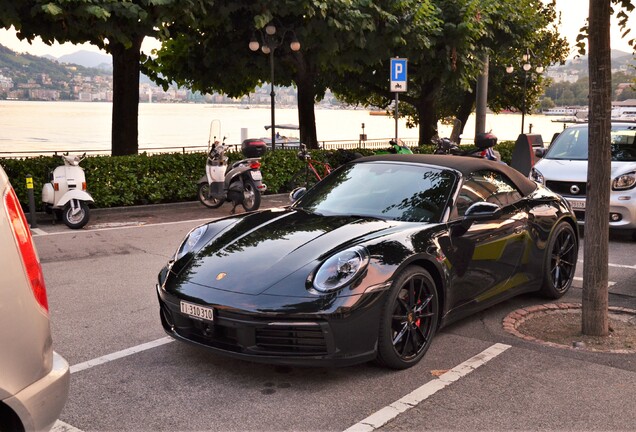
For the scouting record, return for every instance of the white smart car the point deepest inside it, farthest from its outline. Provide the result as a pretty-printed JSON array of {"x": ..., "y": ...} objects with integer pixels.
[
  {"x": 34, "y": 379},
  {"x": 563, "y": 169}
]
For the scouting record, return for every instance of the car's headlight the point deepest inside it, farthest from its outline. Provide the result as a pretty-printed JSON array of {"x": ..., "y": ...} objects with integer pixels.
[
  {"x": 190, "y": 242},
  {"x": 624, "y": 181},
  {"x": 341, "y": 269},
  {"x": 536, "y": 175}
]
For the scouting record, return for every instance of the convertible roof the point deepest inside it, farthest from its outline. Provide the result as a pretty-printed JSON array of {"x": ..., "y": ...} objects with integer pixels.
[{"x": 463, "y": 164}]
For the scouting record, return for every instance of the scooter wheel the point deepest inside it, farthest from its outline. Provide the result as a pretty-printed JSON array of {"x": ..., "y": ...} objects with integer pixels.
[
  {"x": 251, "y": 196},
  {"x": 75, "y": 220},
  {"x": 207, "y": 200}
]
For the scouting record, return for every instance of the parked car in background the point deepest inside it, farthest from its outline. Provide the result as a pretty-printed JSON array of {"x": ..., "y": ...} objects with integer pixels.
[
  {"x": 563, "y": 169},
  {"x": 34, "y": 379},
  {"x": 369, "y": 263}
]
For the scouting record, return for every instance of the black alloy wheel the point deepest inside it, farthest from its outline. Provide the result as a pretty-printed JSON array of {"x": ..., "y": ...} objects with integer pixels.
[
  {"x": 560, "y": 261},
  {"x": 409, "y": 319}
]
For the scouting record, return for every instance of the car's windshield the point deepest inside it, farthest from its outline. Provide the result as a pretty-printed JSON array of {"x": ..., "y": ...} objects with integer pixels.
[
  {"x": 571, "y": 144},
  {"x": 386, "y": 190}
]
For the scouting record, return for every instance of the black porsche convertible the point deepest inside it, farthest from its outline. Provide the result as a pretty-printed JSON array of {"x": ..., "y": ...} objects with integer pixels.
[{"x": 369, "y": 263}]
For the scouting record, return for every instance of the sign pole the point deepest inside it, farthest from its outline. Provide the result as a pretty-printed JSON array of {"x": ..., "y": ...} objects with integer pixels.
[
  {"x": 399, "y": 80},
  {"x": 397, "y": 115}
]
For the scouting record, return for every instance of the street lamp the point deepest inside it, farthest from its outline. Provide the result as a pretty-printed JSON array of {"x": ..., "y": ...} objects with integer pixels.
[
  {"x": 526, "y": 66},
  {"x": 270, "y": 41}
]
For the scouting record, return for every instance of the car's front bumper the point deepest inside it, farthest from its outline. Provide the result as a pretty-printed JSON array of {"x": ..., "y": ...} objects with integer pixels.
[
  {"x": 622, "y": 213},
  {"x": 39, "y": 405},
  {"x": 345, "y": 336}
]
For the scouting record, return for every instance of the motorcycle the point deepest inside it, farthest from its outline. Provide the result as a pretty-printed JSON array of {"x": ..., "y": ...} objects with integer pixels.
[
  {"x": 239, "y": 183},
  {"x": 484, "y": 147},
  {"x": 65, "y": 194},
  {"x": 395, "y": 148}
]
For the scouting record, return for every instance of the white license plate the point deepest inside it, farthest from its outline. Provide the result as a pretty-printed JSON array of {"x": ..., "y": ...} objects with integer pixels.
[
  {"x": 579, "y": 205},
  {"x": 256, "y": 175},
  {"x": 196, "y": 311}
]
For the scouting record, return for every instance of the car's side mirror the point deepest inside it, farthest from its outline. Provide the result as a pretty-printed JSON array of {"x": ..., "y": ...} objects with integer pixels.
[
  {"x": 479, "y": 211},
  {"x": 540, "y": 152},
  {"x": 482, "y": 211},
  {"x": 297, "y": 193}
]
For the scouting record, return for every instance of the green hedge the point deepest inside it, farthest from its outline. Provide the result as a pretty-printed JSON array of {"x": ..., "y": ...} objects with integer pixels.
[{"x": 171, "y": 177}]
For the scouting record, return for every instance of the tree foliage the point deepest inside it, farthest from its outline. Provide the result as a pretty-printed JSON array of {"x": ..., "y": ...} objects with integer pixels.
[
  {"x": 336, "y": 36},
  {"x": 445, "y": 70},
  {"x": 116, "y": 26}
]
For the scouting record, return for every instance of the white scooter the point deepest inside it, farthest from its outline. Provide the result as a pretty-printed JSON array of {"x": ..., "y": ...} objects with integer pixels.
[{"x": 65, "y": 194}]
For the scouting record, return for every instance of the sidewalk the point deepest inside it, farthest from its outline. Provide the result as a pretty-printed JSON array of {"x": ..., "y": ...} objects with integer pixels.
[{"x": 153, "y": 213}]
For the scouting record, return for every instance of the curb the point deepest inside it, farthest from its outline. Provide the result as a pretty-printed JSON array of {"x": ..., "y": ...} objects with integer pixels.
[
  {"x": 514, "y": 319},
  {"x": 183, "y": 204}
]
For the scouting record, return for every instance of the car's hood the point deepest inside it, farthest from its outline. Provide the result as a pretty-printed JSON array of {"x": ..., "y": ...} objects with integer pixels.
[
  {"x": 576, "y": 170},
  {"x": 265, "y": 247}
]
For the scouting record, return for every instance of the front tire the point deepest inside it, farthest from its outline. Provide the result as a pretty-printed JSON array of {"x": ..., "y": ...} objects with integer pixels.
[
  {"x": 559, "y": 261},
  {"x": 409, "y": 319},
  {"x": 251, "y": 196},
  {"x": 206, "y": 200},
  {"x": 75, "y": 220}
]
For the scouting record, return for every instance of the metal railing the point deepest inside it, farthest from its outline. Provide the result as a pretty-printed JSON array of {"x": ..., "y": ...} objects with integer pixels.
[
  {"x": 376, "y": 144},
  {"x": 327, "y": 145}
]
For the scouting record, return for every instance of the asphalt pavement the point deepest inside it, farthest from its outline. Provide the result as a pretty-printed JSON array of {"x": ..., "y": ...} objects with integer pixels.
[{"x": 476, "y": 376}]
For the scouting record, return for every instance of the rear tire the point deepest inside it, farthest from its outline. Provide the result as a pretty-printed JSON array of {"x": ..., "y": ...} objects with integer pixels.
[
  {"x": 559, "y": 261},
  {"x": 209, "y": 202},
  {"x": 251, "y": 196},
  {"x": 409, "y": 319},
  {"x": 75, "y": 220}
]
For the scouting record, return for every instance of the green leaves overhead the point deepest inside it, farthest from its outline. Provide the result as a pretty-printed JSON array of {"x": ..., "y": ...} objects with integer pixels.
[{"x": 52, "y": 9}]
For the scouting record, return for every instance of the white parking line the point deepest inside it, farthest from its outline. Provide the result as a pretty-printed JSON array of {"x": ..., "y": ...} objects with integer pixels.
[
  {"x": 60, "y": 426},
  {"x": 38, "y": 231},
  {"x": 120, "y": 354},
  {"x": 388, "y": 413}
]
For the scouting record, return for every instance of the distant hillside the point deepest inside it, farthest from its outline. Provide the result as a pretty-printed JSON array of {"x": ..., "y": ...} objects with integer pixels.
[
  {"x": 88, "y": 59},
  {"x": 620, "y": 60},
  {"x": 22, "y": 67}
]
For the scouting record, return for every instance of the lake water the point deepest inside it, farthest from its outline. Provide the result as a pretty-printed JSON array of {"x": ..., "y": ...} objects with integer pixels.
[{"x": 80, "y": 126}]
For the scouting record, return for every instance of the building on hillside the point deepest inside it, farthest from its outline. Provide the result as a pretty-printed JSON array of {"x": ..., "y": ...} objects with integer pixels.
[{"x": 5, "y": 82}]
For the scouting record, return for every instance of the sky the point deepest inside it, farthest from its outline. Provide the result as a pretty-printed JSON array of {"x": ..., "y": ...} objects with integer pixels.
[{"x": 573, "y": 15}]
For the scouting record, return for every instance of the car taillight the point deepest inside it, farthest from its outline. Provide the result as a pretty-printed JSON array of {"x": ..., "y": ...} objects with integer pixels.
[
  {"x": 27, "y": 250},
  {"x": 255, "y": 165}
]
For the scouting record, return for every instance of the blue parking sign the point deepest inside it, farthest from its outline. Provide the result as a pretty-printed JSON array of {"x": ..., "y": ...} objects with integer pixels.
[{"x": 398, "y": 74}]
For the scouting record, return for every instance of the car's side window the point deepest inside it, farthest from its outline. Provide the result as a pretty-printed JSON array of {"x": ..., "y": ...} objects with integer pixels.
[{"x": 486, "y": 185}]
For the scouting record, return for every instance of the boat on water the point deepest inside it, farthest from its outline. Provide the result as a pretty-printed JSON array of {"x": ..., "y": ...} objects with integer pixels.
[
  {"x": 564, "y": 111},
  {"x": 282, "y": 140},
  {"x": 624, "y": 113}
]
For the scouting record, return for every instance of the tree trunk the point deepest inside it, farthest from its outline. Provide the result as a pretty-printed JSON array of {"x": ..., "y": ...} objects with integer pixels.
[
  {"x": 595, "y": 272},
  {"x": 466, "y": 108},
  {"x": 427, "y": 114},
  {"x": 306, "y": 113},
  {"x": 125, "y": 97}
]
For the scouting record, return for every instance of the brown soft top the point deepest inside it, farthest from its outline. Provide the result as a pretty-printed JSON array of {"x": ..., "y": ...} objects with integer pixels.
[{"x": 463, "y": 164}]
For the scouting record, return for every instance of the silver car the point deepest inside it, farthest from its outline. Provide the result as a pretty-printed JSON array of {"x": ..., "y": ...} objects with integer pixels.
[
  {"x": 34, "y": 379},
  {"x": 563, "y": 169}
]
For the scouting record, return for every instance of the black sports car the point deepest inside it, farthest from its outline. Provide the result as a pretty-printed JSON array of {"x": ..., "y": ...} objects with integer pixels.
[{"x": 369, "y": 263}]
